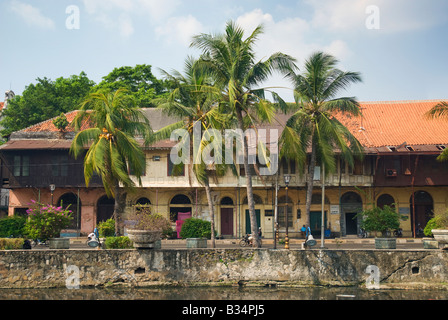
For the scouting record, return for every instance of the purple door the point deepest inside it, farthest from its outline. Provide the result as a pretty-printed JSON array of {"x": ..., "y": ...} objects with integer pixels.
[{"x": 181, "y": 216}]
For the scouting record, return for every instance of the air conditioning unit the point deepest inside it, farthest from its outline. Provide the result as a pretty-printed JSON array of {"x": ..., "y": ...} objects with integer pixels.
[{"x": 391, "y": 173}]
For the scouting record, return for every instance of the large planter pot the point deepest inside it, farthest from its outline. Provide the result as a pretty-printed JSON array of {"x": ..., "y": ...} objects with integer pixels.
[
  {"x": 385, "y": 243},
  {"x": 59, "y": 243},
  {"x": 430, "y": 243},
  {"x": 144, "y": 239},
  {"x": 196, "y": 243},
  {"x": 441, "y": 235}
]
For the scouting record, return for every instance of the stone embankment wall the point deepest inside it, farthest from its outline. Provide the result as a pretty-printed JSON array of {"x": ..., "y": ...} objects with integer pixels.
[{"x": 60, "y": 268}]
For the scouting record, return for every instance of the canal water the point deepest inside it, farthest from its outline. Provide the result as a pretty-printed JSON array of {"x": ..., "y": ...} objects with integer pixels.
[{"x": 221, "y": 294}]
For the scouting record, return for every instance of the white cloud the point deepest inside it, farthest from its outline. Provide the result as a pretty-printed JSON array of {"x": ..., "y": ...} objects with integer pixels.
[
  {"x": 292, "y": 36},
  {"x": 395, "y": 16},
  {"x": 32, "y": 15},
  {"x": 158, "y": 10},
  {"x": 119, "y": 14},
  {"x": 125, "y": 25},
  {"x": 179, "y": 29}
]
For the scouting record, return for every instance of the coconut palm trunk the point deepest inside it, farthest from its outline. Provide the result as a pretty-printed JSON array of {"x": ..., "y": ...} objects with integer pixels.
[
  {"x": 310, "y": 184},
  {"x": 211, "y": 208},
  {"x": 249, "y": 187}
]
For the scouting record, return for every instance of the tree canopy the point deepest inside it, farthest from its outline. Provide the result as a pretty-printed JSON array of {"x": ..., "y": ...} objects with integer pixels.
[
  {"x": 44, "y": 100},
  {"x": 48, "y": 98}
]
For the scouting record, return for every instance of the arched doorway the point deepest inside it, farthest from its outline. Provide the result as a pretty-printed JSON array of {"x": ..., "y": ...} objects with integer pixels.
[
  {"x": 180, "y": 209},
  {"x": 104, "y": 208},
  {"x": 70, "y": 200},
  {"x": 351, "y": 205},
  {"x": 226, "y": 216},
  {"x": 422, "y": 206}
]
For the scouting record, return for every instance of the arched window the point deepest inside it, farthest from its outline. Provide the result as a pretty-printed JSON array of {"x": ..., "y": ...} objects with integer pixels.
[
  {"x": 385, "y": 200},
  {"x": 317, "y": 199},
  {"x": 143, "y": 201},
  {"x": 180, "y": 199},
  {"x": 227, "y": 201},
  {"x": 257, "y": 200}
]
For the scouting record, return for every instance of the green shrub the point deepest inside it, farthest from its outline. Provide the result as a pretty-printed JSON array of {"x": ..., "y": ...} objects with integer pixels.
[
  {"x": 12, "y": 226},
  {"x": 196, "y": 228},
  {"x": 380, "y": 220},
  {"x": 121, "y": 242},
  {"x": 432, "y": 224},
  {"x": 106, "y": 228},
  {"x": 11, "y": 244}
]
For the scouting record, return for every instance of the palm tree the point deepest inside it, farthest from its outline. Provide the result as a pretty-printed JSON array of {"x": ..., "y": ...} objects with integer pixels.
[
  {"x": 194, "y": 100},
  {"x": 114, "y": 120},
  {"x": 440, "y": 110},
  {"x": 313, "y": 126},
  {"x": 230, "y": 61}
]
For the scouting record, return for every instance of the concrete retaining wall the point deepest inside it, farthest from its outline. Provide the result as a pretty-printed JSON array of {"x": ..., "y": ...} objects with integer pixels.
[{"x": 58, "y": 268}]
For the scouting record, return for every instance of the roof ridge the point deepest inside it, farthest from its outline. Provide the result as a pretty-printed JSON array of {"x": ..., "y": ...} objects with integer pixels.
[{"x": 403, "y": 101}]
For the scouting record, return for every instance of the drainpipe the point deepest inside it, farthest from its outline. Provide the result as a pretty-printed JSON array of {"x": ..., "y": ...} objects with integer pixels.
[{"x": 77, "y": 214}]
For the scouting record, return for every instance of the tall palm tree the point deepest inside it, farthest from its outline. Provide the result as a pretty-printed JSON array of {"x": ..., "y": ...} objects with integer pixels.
[
  {"x": 313, "y": 126},
  {"x": 440, "y": 110},
  {"x": 231, "y": 62},
  {"x": 114, "y": 120},
  {"x": 194, "y": 100}
]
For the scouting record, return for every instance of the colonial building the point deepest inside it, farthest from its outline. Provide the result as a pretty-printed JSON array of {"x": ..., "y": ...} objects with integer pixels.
[{"x": 399, "y": 168}]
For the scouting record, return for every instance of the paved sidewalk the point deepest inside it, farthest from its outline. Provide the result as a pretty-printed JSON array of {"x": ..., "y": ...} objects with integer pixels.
[{"x": 345, "y": 243}]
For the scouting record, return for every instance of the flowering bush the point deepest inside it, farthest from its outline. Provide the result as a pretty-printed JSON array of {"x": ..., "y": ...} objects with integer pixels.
[{"x": 46, "y": 221}]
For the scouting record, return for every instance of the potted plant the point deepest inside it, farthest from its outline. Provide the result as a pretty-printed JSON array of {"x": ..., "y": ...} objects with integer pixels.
[
  {"x": 439, "y": 228},
  {"x": 45, "y": 223},
  {"x": 383, "y": 221},
  {"x": 196, "y": 231},
  {"x": 147, "y": 229}
]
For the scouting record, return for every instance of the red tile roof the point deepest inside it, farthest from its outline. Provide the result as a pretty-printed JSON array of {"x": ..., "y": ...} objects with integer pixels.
[
  {"x": 48, "y": 126},
  {"x": 388, "y": 123},
  {"x": 2, "y": 104},
  {"x": 396, "y": 123}
]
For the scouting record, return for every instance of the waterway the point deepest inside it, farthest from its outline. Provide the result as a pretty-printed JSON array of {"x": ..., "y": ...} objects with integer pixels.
[{"x": 220, "y": 293}]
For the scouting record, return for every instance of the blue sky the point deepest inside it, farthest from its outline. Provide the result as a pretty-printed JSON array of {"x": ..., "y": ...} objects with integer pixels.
[{"x": 399, "y": 46}]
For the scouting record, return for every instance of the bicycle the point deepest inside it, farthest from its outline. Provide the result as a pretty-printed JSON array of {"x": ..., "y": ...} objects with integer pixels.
[
  {"x": 398, "y": 233},
  {"x": 362, "y": 233},
  {"x": 247, "y": 241}
]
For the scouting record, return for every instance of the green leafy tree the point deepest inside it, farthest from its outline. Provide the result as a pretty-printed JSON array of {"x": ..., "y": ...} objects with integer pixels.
[
  {"x": 231, "y": 62},
  {"x": 113, "y": 151},
  {"x": 313, "y": 125},
  {"x": 44, "y": 100},
  {"x": 139, "y": 80}
]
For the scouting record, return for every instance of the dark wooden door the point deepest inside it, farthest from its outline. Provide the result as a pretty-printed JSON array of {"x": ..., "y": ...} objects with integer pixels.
[{"x": 227, "y": 221}]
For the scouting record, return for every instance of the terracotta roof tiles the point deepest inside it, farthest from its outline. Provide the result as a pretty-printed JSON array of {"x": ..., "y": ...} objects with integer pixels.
[{"x": 394, "y": 123}]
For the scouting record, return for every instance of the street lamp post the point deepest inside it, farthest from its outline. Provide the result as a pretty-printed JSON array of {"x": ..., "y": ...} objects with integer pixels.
[
  {"x": 287, "y": 179},
  {"x": 52, "y": 188}
]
